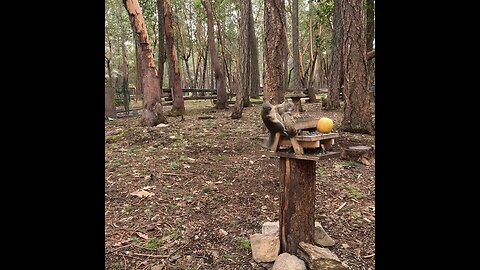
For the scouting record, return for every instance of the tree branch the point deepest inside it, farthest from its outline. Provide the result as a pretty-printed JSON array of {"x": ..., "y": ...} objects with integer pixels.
[{"x": 370, "y": 55}]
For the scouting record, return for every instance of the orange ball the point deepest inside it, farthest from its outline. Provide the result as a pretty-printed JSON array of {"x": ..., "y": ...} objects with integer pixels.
[{"x": 325, "y": 125}]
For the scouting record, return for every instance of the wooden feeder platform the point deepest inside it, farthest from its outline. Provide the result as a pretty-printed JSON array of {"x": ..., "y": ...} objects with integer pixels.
[{"x": 323, "y": 141}]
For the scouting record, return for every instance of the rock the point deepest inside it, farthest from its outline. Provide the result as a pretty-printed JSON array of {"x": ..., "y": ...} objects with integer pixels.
[
  {"x": 265, "y": 248},
  {"x": 318, "y": 258},
  {"x": 321, "y": 238},
  {"x": 223, "y": 232},
  {"x": 285, "y": 261},
  {"x": 156, "y": 267},
  {"x": 271, "y": 228}
]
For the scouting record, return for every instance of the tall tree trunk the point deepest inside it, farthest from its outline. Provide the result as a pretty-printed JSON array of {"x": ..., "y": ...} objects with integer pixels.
[
  {"x": 297, "y": 76},
  {"x": 244, "y": 59},
  {"x": 110, "y": 110},
  {"x": 152, "y": 109},
  {"x": 255, "y": 72},
  {"x": 161, "y": 44},
  {"x": 124, "y": 59},
  {"x": 212, "y": 75},
  {"x": 126, "y": 94},
  {"x": 204, "y": 71},
  {"x": 224, "y": 54},
  {"x": 185, "y": 56},
  {"x": 336, "y": 72},
  {"x": 370, "y": 37},
  {"x": 178, "y": 106},
  {"x": 197, "y": 69},
  {"x": 275, "y": 43},
  {"x": 319, "y": 71},
  {"x": 357, "y": 115},
  {"x": 313, "y": 59},
  {"x": 219, "y": 76},
  {"x": 138, "y": 64},
  {"x": 286, "y": 52}
]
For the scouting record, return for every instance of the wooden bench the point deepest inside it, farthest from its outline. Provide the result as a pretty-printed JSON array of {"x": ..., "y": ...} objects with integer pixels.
[
  {"x": 167, "y": 94},
  {"x": 210, "y": 94},
  {"x": 296, "y": 97}
]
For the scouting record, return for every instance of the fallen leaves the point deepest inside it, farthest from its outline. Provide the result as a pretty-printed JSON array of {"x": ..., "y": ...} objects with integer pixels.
[
  {"x": 142, "y": 193},
  {"x": 142, "y": 235}
]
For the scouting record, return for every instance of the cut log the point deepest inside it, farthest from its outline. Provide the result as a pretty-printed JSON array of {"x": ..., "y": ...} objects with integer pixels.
[
  {"x": 361, "y": 154},
  {"x": 297, "y": 203}
]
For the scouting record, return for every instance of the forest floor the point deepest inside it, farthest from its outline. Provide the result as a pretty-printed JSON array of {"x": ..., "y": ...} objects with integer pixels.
[{"x": 188, "y": 195}]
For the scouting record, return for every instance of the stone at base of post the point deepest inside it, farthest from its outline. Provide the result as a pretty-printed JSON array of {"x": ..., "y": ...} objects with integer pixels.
[{"x": 297, "y": 203}]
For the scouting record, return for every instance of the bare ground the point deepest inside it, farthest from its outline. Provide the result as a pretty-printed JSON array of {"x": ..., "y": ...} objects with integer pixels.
[{"x": 212, "y": 185}]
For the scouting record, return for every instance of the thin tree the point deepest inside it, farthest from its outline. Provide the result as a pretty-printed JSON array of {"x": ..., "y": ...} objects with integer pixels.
[
  {"x": 297, "y": 83},
  {"x": 152, "y": 109},
  {"x": 274, "y": 49},
  {"x": 110, "y": 110},
  {"x": 244, "y": 60},
  {"x": 286, "y": 52},
  {"x": 161, "y": 44},
  {"x": 138, "y": 65},
  {"x": 224, "y": 52},
  {"x": 313, "y": 57},
  {"x": 185, "y": 53},
  {"x": 255, "y": 72},
  {"x": 178, "y": 106},
  {"x": 357, "y": 115},
  {"x": 219, "y": 75},
  {"x": 123, "y": 39},
  {"x": 336, "y": 72}
]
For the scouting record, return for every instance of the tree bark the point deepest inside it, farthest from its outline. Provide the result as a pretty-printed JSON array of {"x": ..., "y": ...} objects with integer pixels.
[
  {"x": 178, "y": 106},
  {"x": 244, "y": 59},
  {"x": 370, "y": 35},
  {"x": 152, "y": 109},
  {"x": 275, "y": 43},
  {"x": 297, "y": 203},
  {"x": 336, "y": 72},
  {"x": 219, "y": 75},
  {"x": 138, "y": 65},
  {"x": 370, "y": 55},
  {"x": 357, "y": 115}
]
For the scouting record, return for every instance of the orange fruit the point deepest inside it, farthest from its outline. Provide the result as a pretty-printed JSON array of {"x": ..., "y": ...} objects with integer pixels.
[{"x": 325, "y": 125}]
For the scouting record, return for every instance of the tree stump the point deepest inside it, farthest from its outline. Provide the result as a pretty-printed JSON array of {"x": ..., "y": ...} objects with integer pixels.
[{"x": 297, "y": 203}]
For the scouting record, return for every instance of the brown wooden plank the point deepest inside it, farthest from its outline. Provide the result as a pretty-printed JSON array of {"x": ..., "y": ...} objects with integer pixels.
[
  {"x": 317, "y": 137},
  {"x": 296, "y": 147},
  {"x": 306, "y": 156},
  {"x": 276, "y": 142},
  {"x": 304, "y": 144},
  {"x": 193, "y": 98},
  {"x": 306, "y": 124}
]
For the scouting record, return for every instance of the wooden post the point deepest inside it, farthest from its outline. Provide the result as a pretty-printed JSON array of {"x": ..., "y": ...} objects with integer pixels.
[{"x": 297, "y": 203}]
